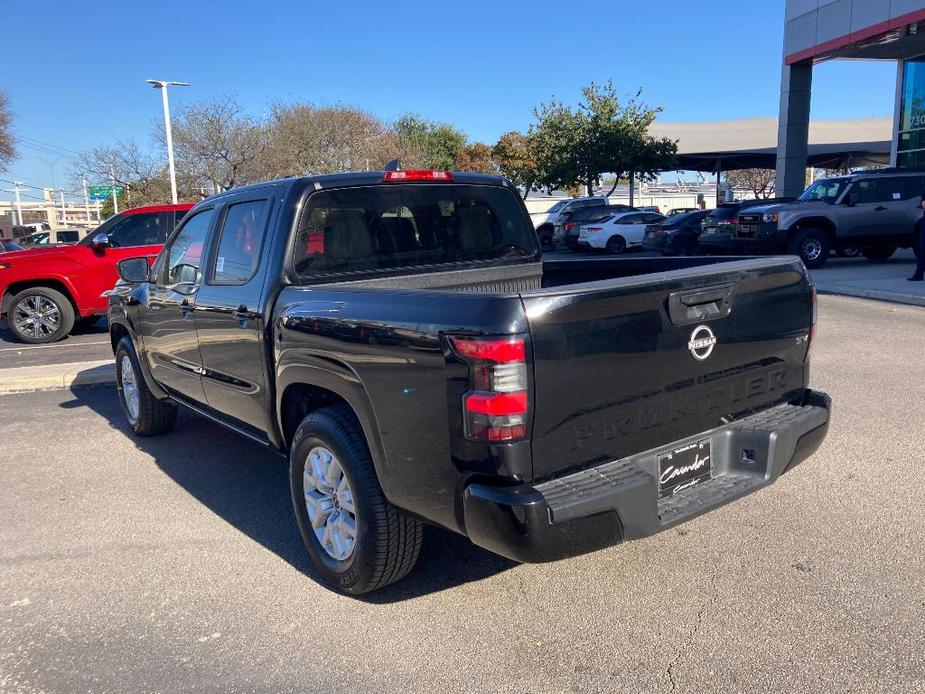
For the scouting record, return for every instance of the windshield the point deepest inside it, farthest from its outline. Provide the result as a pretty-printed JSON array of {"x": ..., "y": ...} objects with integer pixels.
[
  {"x": 41, "y": 237},
  {"x": 826, "y": 190},
  {"x": 722, "y": 213},
  {"x": 558, "y": 206}
]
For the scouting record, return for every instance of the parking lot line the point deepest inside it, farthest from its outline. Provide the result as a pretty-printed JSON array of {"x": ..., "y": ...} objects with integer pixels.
[{"x": 67, "y": 344}]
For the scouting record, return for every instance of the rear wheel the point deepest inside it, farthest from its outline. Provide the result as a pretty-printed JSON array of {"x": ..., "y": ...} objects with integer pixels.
[
  {"x": 547, "y": 243},
  {"x": 879, "y": 253},
  {"x": 616, "y": 244},
  {"x": 812, "y": 245},
  {"x": 356, "y": 539},
  {"x": 40, "y": 314}
]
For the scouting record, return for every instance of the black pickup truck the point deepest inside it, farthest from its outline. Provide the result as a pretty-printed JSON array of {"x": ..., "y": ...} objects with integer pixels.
[{"x": 399, "y": 336}]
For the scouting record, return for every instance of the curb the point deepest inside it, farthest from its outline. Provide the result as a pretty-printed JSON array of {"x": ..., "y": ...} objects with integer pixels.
[
  {"x": 876, "y": 294},
  {"x": 26, "y": 379}
]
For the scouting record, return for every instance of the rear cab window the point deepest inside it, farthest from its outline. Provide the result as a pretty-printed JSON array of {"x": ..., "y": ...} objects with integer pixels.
[{"x": 372, "y": 229}]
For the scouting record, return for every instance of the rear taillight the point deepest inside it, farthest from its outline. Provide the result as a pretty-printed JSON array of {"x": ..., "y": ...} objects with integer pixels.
[
  {"x": 496, "y": 405},
  {"x": 416, "y": 175},
  {"x": 569, "y": 225}
]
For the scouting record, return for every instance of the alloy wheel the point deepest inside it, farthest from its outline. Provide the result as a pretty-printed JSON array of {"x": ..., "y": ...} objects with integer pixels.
[
  {"x": 329, "y": 503},
  {"x": 811, "y": 249},
  {"x": 129, "y": 389},
  {"x": 37, "y": 315}
]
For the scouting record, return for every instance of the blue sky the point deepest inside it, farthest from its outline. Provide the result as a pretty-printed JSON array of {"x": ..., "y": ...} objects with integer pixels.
[{"x": 77, "y": 81}]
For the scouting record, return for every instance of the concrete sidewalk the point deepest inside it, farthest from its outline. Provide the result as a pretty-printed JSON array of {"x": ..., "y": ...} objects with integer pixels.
[
  {"x": 24, "y": 379},
  {"x": 861, "y": 278}
]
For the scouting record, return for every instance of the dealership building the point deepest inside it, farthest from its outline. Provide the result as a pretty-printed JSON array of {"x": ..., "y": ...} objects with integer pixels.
[{"x": 819, "y": 30}]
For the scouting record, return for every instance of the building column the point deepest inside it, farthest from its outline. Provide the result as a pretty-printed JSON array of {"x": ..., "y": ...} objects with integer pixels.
[{"x": 793, "y": 128}]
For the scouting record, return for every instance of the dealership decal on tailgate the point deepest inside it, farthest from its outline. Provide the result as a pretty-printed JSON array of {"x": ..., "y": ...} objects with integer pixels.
[{"x": 684, "y": 467}]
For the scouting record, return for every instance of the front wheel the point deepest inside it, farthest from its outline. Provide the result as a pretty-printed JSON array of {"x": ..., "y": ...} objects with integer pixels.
[
  {"x": 39, "y": 315},
  {"x": 357, "y": 541},
  {"x": 879, "y": 253},
  {"x": 146, "y": 415},
  {"x": 616, "y": 245},
  {"x": 813, "y": 247}
]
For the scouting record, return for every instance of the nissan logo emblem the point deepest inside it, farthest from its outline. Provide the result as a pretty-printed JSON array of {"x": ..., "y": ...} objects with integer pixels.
[{"x": 702, "y": 343}]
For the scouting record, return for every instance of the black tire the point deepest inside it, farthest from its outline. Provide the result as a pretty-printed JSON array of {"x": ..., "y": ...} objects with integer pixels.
[
  {"x": 40, "y": 297},
  {"x": 878, "y": 254},
  {"x": 812, "y": 245},
  {"x": 387, "y": 541},
  {"x": 154, "y": 416},
  {"x": 547, "y": 243},
  {"x": 616, "y": 244}
]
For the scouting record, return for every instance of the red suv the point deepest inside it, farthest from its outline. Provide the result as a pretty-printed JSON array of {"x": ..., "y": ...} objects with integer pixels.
[{"x": 45, "y": 292}]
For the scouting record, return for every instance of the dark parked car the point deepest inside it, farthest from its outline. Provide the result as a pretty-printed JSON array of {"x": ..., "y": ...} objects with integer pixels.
[
  {"x": 718, "y": 228},
  {"x": 398, "y": 336},
  {"x": 677, "y": 235}
]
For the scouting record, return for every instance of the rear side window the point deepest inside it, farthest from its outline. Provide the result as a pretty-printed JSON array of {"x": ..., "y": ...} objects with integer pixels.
[
  {"x": 67, "y": 236},
  {"x": 239, "y": 242},
  {"x": 384, "y": 227}
]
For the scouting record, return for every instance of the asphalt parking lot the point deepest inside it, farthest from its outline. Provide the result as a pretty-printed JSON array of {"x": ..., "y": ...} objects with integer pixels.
[
  {"x": 83, "y": 345},
  {"x": 173, "y": 563}
]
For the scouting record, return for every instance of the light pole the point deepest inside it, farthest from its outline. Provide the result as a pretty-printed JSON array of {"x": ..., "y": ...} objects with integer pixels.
[{"x": 162, "y": 85}]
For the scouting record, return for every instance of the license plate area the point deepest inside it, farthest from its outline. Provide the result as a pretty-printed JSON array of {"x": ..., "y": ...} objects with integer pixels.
[{"x": 684, "y": 467}]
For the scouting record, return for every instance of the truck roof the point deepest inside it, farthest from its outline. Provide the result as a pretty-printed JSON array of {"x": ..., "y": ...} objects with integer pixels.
[
  {"x": 180, "y": 206},
  {"x": 365, "y": 178}
]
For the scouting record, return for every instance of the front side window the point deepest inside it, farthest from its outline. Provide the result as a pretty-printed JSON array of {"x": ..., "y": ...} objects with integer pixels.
[
  {"x": 826, "y": 190},
  {"x": 182, "y": 260},
  {"x": 239, "y": 243},
  {"x": 384, "y": 227}
]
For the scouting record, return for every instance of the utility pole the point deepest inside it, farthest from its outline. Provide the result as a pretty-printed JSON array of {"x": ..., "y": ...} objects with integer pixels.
[
  {"x": 86, "y": 198},
  {"x": 112, "y": 181},
  {"x": 162, "y": 85},
  {"x": 16, "y": 185}
]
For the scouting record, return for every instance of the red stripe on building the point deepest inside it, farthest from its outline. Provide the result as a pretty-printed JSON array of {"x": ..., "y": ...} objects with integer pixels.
[{"x": 854, "y": 37}]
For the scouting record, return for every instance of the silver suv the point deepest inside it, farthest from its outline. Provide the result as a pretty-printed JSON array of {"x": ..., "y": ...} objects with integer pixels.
[{"x": 874, "y": 211}]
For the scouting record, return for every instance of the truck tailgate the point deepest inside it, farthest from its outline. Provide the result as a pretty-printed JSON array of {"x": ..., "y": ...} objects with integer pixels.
[{"x": 626, "y": 365}]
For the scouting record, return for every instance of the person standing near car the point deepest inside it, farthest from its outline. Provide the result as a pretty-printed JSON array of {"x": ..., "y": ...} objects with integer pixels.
[{"x": 919, "y": 240}]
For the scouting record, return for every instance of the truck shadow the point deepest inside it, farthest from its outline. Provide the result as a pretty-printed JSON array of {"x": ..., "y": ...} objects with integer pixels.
[{"x": 247, "y": 486}]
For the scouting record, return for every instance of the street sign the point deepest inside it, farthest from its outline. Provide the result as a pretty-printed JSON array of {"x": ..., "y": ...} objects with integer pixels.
[{"x": 102, "y": 192}]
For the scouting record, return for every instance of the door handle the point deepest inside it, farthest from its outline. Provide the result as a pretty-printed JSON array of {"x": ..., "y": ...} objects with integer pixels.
[
  {"x": 243, "y": 314},
  {"x": 881, "y": 208}
]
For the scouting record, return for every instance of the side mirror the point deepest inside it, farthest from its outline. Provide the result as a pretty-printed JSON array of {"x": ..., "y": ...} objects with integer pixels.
[
  {"x": 134, "y": 270},
  {"x": 100, "y": 242}
]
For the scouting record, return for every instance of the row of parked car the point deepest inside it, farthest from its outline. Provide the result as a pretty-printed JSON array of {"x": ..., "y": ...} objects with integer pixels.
[{"x": 871, "y": 213}]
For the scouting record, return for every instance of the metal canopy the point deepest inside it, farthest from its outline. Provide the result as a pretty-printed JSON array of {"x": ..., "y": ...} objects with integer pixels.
[{"x": 752, "y": 143}]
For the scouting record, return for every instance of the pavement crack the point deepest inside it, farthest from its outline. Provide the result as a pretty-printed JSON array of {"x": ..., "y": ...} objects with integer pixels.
[{"x": 692, "y": 634}]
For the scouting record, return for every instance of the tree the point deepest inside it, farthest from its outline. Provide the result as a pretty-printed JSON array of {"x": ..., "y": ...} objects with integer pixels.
[
  {"x": 604, "y": 134},
  {"x": 216, "y": 143},
  {"x": 423, "y": 144},
  {"x": 759, "y": 181},
  {"x": 142, "y": 174},
  {"x": 476, "y": 157},
  {"x": 304, "y": 138},
  {"x": 515, "y": 160},
  {"x": 7, "y": 143}
]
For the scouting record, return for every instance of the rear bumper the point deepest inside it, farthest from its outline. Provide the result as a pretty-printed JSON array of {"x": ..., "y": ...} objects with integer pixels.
[{"x": 616, "y": 501}]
